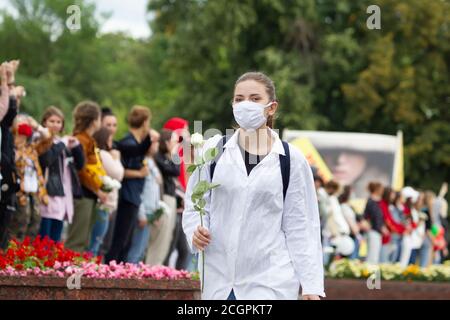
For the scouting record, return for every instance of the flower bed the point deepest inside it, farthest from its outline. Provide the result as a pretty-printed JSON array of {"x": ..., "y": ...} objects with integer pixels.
[
  {"x": 355, "y": 280},
  {"x": 355, "y": 269},
  {"x": 47, "y": 270}
]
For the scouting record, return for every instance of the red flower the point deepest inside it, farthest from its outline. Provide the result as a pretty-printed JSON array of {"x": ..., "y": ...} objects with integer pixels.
[
  {"x": 49, "y": 263},
  {"x": 3, "y": 263},
  {"x": 19, "y": 266},
  {"x": 25, "y": 130},
  {"x": 26, "y": 242},
  {"x": 10, "y": 254}
]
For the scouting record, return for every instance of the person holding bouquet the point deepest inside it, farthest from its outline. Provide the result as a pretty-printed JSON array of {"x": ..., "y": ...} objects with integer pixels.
[
  {"x": 150, "y": 210},
  {"x": 114, "y": 169},
  {"x": 261, "y": 234},
  {"x": 87, "y": 121}
]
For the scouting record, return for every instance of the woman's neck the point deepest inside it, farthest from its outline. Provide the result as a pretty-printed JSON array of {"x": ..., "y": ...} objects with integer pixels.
[
  {"x": 90, "y": 131},
  {"x": 257, "y": 142},
  {"x": 375, "y": 197}
]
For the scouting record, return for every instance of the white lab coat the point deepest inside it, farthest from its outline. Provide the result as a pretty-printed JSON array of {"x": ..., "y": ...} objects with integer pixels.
[{"x": 260, "y": 247}]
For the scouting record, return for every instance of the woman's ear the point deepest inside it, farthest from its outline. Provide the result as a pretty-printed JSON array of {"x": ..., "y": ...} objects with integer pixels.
[{"x": 272, "y": 109}]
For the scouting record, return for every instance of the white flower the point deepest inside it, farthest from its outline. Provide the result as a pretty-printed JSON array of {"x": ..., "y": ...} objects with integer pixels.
[
  {"x": 197, "y": 140},
  {"x": 116, "y": 184},
  {"x": 164, "y": 206},
  {"x": 110, "y": 183}
]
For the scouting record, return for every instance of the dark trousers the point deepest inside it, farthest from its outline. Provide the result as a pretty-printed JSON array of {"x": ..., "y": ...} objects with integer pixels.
[
  {"x": 5, "y": 220},
  {"x": 126, "y": 219},
  {"x": 231, "y": 296},
  {"x": 179, "y": 243},
  {"x": 51, "y": 228}
]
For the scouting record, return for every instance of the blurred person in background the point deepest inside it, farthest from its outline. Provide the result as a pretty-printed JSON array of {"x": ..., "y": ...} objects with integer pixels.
[
  {"x": 10, "y": 102},
  {"x": 390, "y": 241},
  {"x": 374, "y": 215},
  {"x": 440, "y": 228},
  {"x": 350, "y": 217},
  {"x": 60, "y": 165},
  {"x": 411, "y": 239},
  {"x": 336, "y": 224},
  {"x": 87, "y": 120},
  {"x": 169, "y": 150},
  {"x": 398, "y": 227},
  {"x": 133, "y": 148},
  {"x": 114, "y": 169},
  {"x": 151, "y": 201},
  {"x": 31, "y": 140},
  {"x": 109, "y": 121}
]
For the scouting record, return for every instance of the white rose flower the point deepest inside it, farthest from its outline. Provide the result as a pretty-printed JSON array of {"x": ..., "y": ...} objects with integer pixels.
[{"x": 197, "y": 139}]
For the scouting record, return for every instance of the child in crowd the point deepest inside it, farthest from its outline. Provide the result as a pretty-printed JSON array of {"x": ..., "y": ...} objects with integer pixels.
[{"x": 60, "y": 165}]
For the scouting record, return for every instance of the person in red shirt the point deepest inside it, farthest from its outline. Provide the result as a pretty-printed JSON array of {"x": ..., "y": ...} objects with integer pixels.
[
  {"x": 395, "y": 227},
  {"x": 181, "y": 127}
]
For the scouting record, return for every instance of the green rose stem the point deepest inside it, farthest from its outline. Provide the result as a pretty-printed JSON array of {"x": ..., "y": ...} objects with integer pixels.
[
  {"x": 201, "y": 224},
  {"x": 200, "y": 189}
]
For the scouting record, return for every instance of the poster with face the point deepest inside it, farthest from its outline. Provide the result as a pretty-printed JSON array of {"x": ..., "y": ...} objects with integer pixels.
[{"x": 356, "y": 159}]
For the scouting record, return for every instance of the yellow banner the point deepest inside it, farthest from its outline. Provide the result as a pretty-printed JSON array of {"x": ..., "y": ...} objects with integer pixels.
[{"x": 313, "y": 157}]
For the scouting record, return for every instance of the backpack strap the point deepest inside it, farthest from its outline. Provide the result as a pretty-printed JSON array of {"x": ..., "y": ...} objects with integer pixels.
[
  {"x": 285, "y": 166},
  {"x": 285, "y": 163},
  {"x": 220, "y": 147}
]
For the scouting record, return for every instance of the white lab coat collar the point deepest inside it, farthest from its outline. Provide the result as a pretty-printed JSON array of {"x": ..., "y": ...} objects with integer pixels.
[{"x": 277, "y": 146}]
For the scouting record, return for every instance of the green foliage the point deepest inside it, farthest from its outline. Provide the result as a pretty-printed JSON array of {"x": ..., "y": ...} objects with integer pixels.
[{"x": 331, "y": 71}]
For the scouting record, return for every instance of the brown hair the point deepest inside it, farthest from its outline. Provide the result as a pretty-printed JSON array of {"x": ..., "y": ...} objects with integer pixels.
[
  {"x": 387, "y": 194},
  {"x": 264, "y": 80},
  {"x": 165, "y": 137},
  {"x": 138, "y": 115},
  {"x": 374, "y": 187},
  {"x": 331, "y": 187},
  {"x": 345, "y": 195},
  {"x": 85, "y": 113},
  {"x": 52, "y": 111},
  {"x": 101, "y": 137}
]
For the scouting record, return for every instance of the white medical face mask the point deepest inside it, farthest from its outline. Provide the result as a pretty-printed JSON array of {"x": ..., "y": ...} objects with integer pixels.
[{"x": 250, "y": 115}]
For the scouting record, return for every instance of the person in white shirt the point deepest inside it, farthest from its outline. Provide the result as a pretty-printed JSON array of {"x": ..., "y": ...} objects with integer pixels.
[{"x": 260, "y": 240}]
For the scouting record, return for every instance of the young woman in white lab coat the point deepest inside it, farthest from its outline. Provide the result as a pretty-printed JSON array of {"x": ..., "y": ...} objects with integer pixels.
[{"x": 257, "y": 245}]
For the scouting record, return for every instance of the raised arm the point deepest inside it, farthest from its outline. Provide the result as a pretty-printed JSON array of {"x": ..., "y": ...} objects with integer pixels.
[{"x": 4, "y": 98}]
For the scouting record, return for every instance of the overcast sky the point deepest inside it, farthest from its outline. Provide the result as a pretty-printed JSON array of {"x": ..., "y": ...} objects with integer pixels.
[{"x": 129, "y": 16}]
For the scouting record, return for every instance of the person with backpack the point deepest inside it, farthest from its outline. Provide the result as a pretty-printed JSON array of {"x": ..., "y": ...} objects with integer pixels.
[{"x": 261, "y": 234}]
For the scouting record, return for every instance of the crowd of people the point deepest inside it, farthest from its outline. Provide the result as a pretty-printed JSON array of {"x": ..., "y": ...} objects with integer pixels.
[
  {"x": 120, "y": 199},
  {"x": 405, "y": 226}
]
